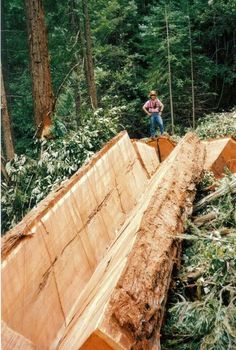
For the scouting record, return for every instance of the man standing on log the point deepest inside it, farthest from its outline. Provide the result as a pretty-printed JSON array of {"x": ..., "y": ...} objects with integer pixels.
[{"x": 153, "y": 108}]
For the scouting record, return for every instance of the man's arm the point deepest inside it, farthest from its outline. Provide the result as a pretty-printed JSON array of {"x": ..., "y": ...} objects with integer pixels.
[
  {"x": 146, "y": 111},
  {"x": 161, "y": 107}
]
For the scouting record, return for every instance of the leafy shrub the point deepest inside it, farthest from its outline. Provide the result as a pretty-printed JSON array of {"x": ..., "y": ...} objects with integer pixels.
[
  {"x": 31, "y": 180},
  {"x": 202, "y": 311},
  {"x": 217, "y": 125}
]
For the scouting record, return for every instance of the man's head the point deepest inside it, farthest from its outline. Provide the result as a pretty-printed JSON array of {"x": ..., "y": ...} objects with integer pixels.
[{"x": 153, "y": 94}]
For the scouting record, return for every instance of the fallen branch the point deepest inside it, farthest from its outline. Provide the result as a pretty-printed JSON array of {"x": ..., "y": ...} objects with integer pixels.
[
  {"x": 226, "y": 188},
  {"x": 63, "y": 82},
  {"x": 201, "y": 220}
]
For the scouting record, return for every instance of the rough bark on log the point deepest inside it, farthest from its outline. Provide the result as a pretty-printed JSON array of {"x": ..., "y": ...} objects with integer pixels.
[
  {"x": 41, "y": 76},
  {"x": 130, "y": 315},
  {"x": 73, "y": 276},
  {"x": 138, "y": 301},
  {"x": 6, "y": 123}
]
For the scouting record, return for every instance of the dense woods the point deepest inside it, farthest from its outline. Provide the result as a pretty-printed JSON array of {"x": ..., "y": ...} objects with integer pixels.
[
  {"x": 75, "y": 73},
  {"x": 109, "y": 55}
]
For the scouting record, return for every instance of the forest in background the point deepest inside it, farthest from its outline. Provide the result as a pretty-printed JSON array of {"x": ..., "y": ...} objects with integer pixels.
[
  {"x": 76, "y": 73},
  {"x": 185, "y": 46},
  {"x": 100, "y": 60}
]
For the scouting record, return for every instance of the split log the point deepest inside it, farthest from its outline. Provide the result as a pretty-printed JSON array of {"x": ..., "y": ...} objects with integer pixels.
[
  {"x": 163, "y": 145},
  {"x": 127, "y": 308},
  {"x": 90, "y": 267},
  {"x": 147, "y": 156},
  {"x": 220, "y": 154},
  {"x": 221, "y": 191},
  {"x": 49, "y": 258},
  {"x": 12, "y": 340}
]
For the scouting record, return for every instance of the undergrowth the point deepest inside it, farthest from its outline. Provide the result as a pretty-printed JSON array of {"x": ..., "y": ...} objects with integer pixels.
[
  {"x": 217, "y": 125},
  {"x": 30, "y": 179},
  {"x": 201, "y": 312}
]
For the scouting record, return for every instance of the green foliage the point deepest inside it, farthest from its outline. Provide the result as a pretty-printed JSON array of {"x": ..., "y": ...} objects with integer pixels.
[
  {"x": 31, "y": 180},
  {"x": 217, "y": 125},
  {"x": 202, "y": 310},
  {"x": 130, "y": 58},
  {"x": 15, "y": 66}
]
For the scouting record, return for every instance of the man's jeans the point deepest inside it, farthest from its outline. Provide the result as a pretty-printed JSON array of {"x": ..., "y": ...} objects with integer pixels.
[{"x": 156, "y": 120}]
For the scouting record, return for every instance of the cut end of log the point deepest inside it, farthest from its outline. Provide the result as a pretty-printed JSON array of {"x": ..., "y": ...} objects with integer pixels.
[{"x": 220, "y": 155}]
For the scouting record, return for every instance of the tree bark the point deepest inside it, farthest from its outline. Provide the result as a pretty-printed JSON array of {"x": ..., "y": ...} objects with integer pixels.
[
  {"x": 4, "y": 171},
  {"x": 88, "y": 57},
  {"x": 169, "y": 70},
  {"x": 76, "y": 29},
  {"x": 41, "y": 76},
  {"x": 6, "y": 124},
  {"x": 192, "y": 73}
]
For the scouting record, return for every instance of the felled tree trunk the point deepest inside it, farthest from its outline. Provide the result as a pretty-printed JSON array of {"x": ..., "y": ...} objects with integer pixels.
[
  {"x": 138, "y": 302},
  {"x": 95, "y": 257},
  {"x": 41, "y": 77},
  {"x": 13, "y": 340},
  {"x": 127, "y": 310}
]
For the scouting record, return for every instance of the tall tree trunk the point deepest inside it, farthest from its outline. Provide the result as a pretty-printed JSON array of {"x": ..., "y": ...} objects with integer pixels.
[
  {"x": 4, "y": 173},
  {"x": 72, "y": 15},
  {"x": 5, "y": 53},
  {"x": 41, "y": 76},
  {"x": 169, "y": 70},
  {"x": 216, "y": 51},
  {"x": 6, "y": 124},
  {"x": 89, "y": 57},
  {"x": 76, "y": 29},
  {"x": 192, "y": 74}
]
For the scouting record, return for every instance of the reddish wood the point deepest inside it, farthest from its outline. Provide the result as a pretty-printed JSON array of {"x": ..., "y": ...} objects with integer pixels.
[
  {"x": 147, "y": 156},
  {"x": 164, "y": 145},
  {"x": 90, "y": 267},
  {"x": 41, "y": 77},
  {"x": 220, "y": 154},
  {"x": 49, "y": 258},
  {"x": 12, "y": 340},
  {"x": 128, "y": 303},
  {"x": 6, "y": 124}
]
